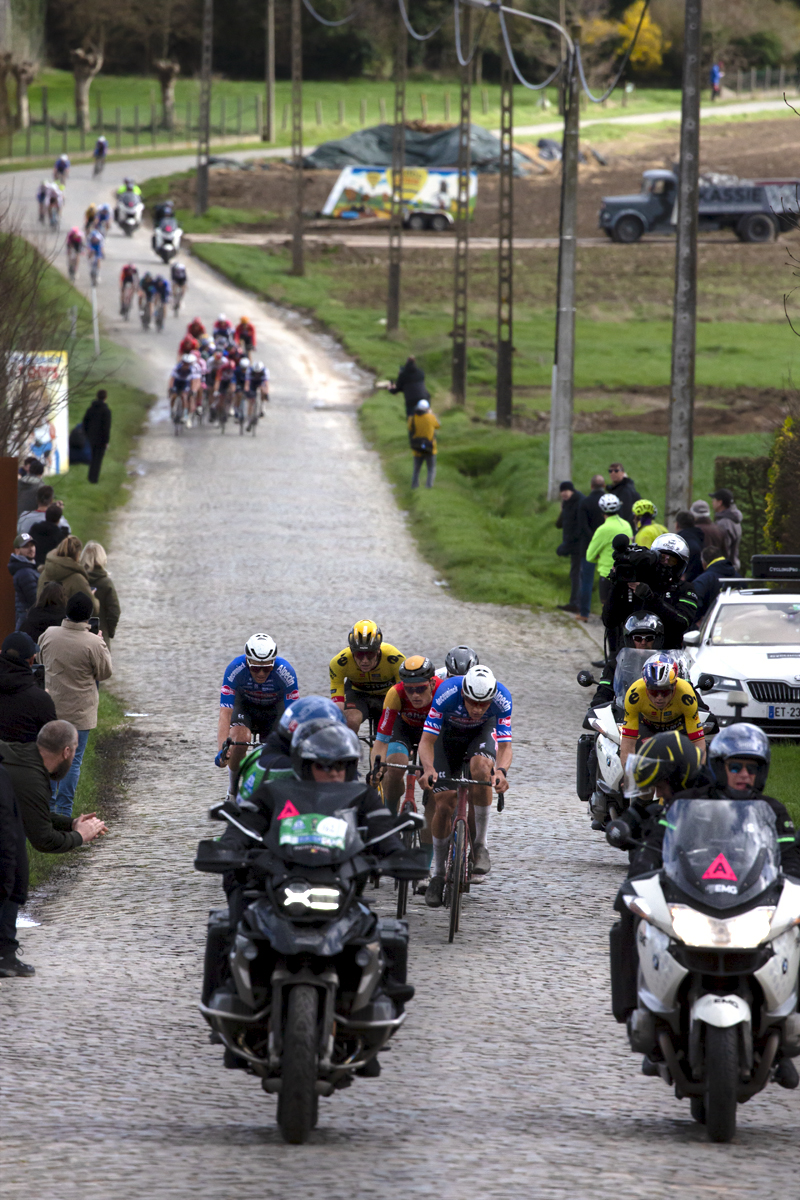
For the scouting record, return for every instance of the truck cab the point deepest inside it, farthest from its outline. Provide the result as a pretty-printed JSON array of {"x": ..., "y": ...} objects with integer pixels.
[{"x": 652, "y": 210}]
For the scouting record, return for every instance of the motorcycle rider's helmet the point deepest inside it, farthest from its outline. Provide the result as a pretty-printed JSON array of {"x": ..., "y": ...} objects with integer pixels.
[
  {"x": 740, "y": 741},
  {"x": 479, "y": 685},
  {"x": 666, "y": 758},
  {"x": 365, "y": 636},
  {"x": 643, "y": 625},
  {"x": 671, "y": 544},
  {"x": 609, "y": 504},
  {"x": 310, "y": 708},
  {"x": 416, "y": 669},
  {"x": 660, "y": 672},
  {"x": 259, "y": 650},
  {"x": 644, "y": 508},
  {"x": 129, "y": 183},
  {"x": 460, "y": 659},
  {"x": 324, "y": 741}
]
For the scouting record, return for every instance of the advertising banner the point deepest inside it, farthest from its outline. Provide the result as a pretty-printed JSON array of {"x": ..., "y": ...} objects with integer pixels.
[
  {"x": 46, "y": 375},
  {"x": 366, "y": 192}
]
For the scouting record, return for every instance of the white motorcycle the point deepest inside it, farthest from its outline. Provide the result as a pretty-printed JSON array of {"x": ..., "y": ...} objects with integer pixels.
[
  {"x": 128, "y": 212},
  {"x": 717, "y": 936},
  {"x": 166, "y": 241}
]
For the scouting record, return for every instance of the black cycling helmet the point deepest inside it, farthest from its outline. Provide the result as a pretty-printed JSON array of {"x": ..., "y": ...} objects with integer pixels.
[
  {"x": 644, "y": 624},
  {"x": 740, "y": 741},
  {"x": 324, "y": 741},
  {"x": 666, "y": 758},
  {"x": 309, "y": 708},
  {"x": 460, "y": 659},
  {"x": 417, "y": 669}
]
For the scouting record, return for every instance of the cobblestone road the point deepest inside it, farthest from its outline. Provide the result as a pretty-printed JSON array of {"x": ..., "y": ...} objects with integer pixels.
[{"x": 510, "y": 1078}]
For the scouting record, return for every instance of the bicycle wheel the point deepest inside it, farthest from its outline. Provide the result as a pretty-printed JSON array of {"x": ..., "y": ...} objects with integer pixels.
[
  {"x": 458, "y": 853},
  {"x": 409, "y": 843}
]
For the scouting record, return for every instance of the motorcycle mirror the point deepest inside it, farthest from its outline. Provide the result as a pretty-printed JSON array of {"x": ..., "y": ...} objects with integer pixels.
[
  {"x": 618, "y": 834},
  {"x": 586, "y": 678},
  {"x": 705, "y": 683}
]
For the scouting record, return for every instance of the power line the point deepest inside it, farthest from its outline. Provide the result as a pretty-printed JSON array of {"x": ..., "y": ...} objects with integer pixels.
[
  {"x": 628, "y": 53},
  {"x": 419, "y": 37},
  {"x": 333, "y": 24}
]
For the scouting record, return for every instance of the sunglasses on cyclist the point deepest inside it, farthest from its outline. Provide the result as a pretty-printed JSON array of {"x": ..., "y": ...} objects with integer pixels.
[
  {"x": 416, "y": 689},
  {"x": 737, "y": 768},
  {"x": 254, "y": 669},
  {"x": 660, "y": 691}
]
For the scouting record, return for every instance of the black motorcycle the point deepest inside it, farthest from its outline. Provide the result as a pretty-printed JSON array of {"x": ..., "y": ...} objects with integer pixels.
[{"x": 317, "y": 981}]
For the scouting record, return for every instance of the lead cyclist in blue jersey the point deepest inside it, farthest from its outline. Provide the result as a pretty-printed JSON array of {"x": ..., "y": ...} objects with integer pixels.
[
  {"x": 256, "y": 688},
  {"x": 467, "y": 731}
]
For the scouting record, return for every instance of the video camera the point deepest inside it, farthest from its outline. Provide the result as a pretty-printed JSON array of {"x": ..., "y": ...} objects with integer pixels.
[{"x": 635, "y": 564}]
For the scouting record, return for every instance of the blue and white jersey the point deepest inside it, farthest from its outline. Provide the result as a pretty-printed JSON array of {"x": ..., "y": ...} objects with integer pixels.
[
  {"x": 448, "y": 711},
  {"x": 280, "y": 684}
]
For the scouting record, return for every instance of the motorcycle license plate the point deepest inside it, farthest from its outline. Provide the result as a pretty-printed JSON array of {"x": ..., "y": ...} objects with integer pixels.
[
  {"x": 783, "y": 712},
  {"x": 313, "y": 829}
]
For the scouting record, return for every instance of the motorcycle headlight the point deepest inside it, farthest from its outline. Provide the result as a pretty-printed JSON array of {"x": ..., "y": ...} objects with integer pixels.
[
  {"x": 731, "y": 933},
  {"x": 302, "y": 897}
]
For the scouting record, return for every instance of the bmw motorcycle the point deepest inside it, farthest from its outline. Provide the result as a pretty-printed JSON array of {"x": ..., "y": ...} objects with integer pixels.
[
  {"x": 128, "y": 212},
  {"x": 718, "y": 943},
  {"x": 166, "y": 240},
  {"x": 317, "y": 981}
]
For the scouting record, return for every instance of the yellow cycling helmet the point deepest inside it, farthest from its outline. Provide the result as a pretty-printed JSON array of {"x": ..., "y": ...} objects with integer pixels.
[
  {"x": 642, "y": 507},
  {"x": 365, "y": 636}
]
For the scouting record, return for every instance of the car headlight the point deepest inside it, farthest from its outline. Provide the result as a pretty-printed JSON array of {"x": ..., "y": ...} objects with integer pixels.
[
  {"x": 302, "y": 896},
  {"x": 723, "y": 684},
  {"x": 731, "y": 933}
]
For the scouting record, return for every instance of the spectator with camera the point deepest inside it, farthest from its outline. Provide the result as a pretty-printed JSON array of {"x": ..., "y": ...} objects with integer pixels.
[{"x": 24, "y": 704}]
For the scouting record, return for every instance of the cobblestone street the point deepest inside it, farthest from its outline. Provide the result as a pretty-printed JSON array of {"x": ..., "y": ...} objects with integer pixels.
[{"x": 510, "y": 1078}]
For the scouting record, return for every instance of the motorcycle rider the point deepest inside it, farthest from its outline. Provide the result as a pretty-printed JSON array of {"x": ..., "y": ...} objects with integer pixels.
[
  {"x": 129, "y": 186},
  {"x": 273, "y": 760},
  {"x": 163, "y": 211}
]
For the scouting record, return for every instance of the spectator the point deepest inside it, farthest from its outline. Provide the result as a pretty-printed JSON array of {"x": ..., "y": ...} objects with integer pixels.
[
  {"x": 75, "y": 661},
  {"x": 422, "y": 426},
  {"x": 713, "y": 535},
  {"x": 49, "y": 534},
  {"x": 24, "y": 706},
  {"x": 729, "y": 520},
  {"x": 79, "y": 449},
  {"x": 94, "y": 560},
  {"x": 623, "y": 487},
  {"x": 23, "y": 572},
  {"x": 600, "y": 548},
  {"x": 708, "y": 584},
  {"x": 591, "y": 519},
  {"x": 645, "y": 523},
  {"x": 30, "y": 480},
  {"x": 97, "y": 427},
  {"x": 13, "y": 879},
  {"x": 51, "y": 610},
  {"x": 716, "y": 75},
  {"x": 62, "y": 566},
  {"x": 695, "y": 540},
  {"x": 573, "y": 544},
  {"x": 411, "y": 382},
  {"x": 44, "y": 498}
]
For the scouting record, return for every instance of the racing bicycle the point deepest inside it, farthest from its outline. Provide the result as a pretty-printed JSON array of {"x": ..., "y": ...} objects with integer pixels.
[
  {"x": 177, "y": 297},
  {"x": 94, "y": 269},
  {"x": 126, "y": 299},
  {"x": 158, "y": 312},
  {"x": 146, "y": 312}
]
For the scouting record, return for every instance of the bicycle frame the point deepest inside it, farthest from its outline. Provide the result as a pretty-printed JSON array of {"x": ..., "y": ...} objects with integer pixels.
[{"x": 458, "y": 856}]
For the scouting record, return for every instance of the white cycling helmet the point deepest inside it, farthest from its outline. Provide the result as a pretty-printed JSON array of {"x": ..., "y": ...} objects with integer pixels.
[
  {"x": 609, "y": 504},
  {"x": 188, "y": 358},
  {"x": 479, "y": 685},
  {"x": 258, "y": 366},
  {"x": 222, "y": 317},
  {"x": 244, "y": 362},
  {"x": 260, "y": 650}
]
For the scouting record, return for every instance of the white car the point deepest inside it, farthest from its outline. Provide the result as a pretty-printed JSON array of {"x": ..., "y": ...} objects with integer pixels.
[{"x": 750, "y": 643}]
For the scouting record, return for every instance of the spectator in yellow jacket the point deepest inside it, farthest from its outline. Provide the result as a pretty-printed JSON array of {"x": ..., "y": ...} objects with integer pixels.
[{"x": 422, "y": 426}]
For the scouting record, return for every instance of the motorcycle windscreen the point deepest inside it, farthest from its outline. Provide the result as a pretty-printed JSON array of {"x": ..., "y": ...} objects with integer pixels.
[
  {"x": 630, "y": 663},
  {"x": 721, "y": 852}
]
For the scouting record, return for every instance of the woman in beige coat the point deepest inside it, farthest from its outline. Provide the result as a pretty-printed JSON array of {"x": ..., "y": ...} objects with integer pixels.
[
  {"x": 62, "y": 566},
  {"x": 94, "y": 561}
]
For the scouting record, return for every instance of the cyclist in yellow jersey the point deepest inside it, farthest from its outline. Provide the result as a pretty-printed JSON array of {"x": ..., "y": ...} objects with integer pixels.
[
  {"x": 645, "y": 524},
  {"x": 657, "y": 703},
  {"x": 363, "y": 672}
]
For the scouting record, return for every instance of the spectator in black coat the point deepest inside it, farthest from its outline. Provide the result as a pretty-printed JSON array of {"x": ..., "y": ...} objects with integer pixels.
[
  {"x": 573, "y": 546},
  {"x": 591, "y": 518},
  {"x": 13, "y": 878},
  {"x": 411, "y": 382},
  {"x": 694, "y": 537},
  {"x": 79, "y": 449},
  {"x": 97, "y": 427},
  {"x": 708, "y": 583},
  {"x": 24, "y": 574},
  {"x": 49, "y": 533},
  {"x": 30, "y": 480},
  {"x": 51, "y": 610},
  {"x": 623, "y": 487},
  {"x": 24, "y": 706}
]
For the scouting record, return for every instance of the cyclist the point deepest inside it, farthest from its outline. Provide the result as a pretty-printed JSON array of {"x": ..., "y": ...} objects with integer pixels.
[
  {"x": 89, "y": 217},
  {"x": 162, "y": 291},
  {"x": 99, "y": 153},
  {"x": 241, "y": 376},
  {"x": 245, "y": 334},
  {"x": 405, "y": 709},
  {"x": 206, "y": 347},
  {"x": 658, "y": 702},
  {"x": 645, "y": 524},
  {"x": 103, "y": 218},
  {"x": 363, "y": 672},
  {"x": 196, "y": 328},
  {"x": 42, "y": 193},
  {"x": 147, "y": 288},
  {"x": 55, "y": 203},
  {"x": 220, "y": 378},
  {"x": 256, "y": 688},
  {"x": 468, "y": 728},
  {"x": 222, "y": 328},
  {"x": 457, "y": 662},
  {"x": 258, "y": 385},
  {"x": 180, "y": 280},
  {"x": 61, "y": 169},
  {"x": 95, "y": 247},
  {"x": 75, "y": 244},
  {"x": 128, "y": 282},
  {"x": 181, "y": 383}
]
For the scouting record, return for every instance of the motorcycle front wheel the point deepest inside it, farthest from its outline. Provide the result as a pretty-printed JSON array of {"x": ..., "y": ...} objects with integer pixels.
[
  {"x": 722, "y": 1082},
  {"x": 297, "y": 1099}
]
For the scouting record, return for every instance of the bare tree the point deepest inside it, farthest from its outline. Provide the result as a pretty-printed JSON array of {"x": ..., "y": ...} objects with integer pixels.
[
  {"x": 5, "y": 110},
  {"x": 85, "y": 65},
  {"x": 24, "y": 73},
  {"x": 167, "y": 72}
]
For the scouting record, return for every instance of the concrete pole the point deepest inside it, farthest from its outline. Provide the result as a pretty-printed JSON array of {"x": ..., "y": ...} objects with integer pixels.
[
  {"x": 684, "y": 326},
  {"x": 268, "y": 134},
  {"x": 204, "y": 131},
  {"x": 564, "y": 366},
  {"x": 298, "y": 251},
  {"x": 398, "y": 162}
]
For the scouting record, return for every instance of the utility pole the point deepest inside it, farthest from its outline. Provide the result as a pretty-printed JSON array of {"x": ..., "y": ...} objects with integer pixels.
[
  {"x": 684, "y": 327},
  {"x": 298, "y": 257},
  {"x": 268, "y": 133},
  {"x": 459, "y": 376},
  {"x": 398, "y": 163},
  {"x": 505, "y": 250},
  {"x": 562, "y": 79},
  {"x": 564, "y": 365},
  {"x": 204, "y": 129}
]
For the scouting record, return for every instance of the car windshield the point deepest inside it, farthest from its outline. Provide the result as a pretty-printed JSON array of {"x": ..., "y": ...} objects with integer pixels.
[
  {"x": 721, "y": 852},
  {"x": 762, "y": 623}
]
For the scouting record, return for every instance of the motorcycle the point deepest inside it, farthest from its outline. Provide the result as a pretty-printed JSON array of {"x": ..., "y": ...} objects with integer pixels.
[
  {"x": 718, "y": 949},
  {"x": 128, "y": 212},
  {"x": 317, "y": 982},
  {"x": 166, "y": 240}
]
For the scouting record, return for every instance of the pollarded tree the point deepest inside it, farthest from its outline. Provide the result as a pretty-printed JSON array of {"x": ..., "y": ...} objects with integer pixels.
[
  {"x": 85, "y": 65},
  {"x": 24, "y": 73},
  {"x": 167, "y": 72},
  {"x": 5, "y": 109}
]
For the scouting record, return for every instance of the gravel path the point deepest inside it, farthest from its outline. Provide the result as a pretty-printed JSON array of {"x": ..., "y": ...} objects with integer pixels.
[{"x": 510, "y": 1078}]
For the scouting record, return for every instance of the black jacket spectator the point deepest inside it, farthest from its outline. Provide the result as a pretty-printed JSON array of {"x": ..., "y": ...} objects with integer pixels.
[
  {"x": 47, "y": 831},
  {"x": 626, "y": 493},
  {"x": 29, "y": 485},
  {"x": 24, "y": 706},
  {"x": 26, "y": 581},
  {"x": 411, "y": 382},
  {"x": 695, "y": 539},
  {"x": 708, "y": 584},
  {"x": 573, "y": 539},
  {"x": 51, "y": 610},
  {"x": 591, "y": 515},
  {"x": 49, "y": 533},
  {"x": 13, "y": 853},
  {"x": 97, "y": 422}
]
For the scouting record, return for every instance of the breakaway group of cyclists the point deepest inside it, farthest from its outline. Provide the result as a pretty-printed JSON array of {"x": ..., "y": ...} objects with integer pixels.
[
  {"x": 447, "y": 724},
  {"x": 217, "y": 376},
  {"x": 155, "y": 293}
]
